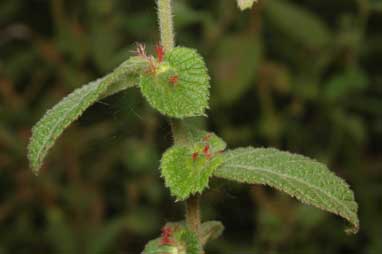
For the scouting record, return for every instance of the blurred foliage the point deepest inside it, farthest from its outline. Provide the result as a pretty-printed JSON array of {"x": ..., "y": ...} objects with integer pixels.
[{"x": 298, "y": 75}]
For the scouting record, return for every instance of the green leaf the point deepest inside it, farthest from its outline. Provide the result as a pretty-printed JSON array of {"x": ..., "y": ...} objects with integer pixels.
[
  {"x": 106, "y": 236},
  {"x": 236, "y": 63},
  {"x": 210, "y": 230},
  {"x": 181, "y": 241},
  {"x": 125, "y": 76},
  {"x": 245, "y": 4},
  {"x": 188, "y": 93},
  {"x": 351, "y": 80},
  {"x": 308, "y": 180},
  {"x": 187, "y": 168},
  {"x": 297, "y": 23},
  {"x": 54, "y": 122}
]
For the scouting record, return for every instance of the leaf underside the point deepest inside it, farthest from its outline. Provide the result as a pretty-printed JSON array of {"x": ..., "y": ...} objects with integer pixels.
[
  {"x": 55, "y": 120},
  {"x": 305, "y": 179},
  {"x": 188, "y": 95}
]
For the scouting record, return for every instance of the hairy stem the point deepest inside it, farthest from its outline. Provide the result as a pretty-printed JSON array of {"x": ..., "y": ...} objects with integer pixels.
[
  {"x": 193, "y": 213},
  {"x": 166, "y": 24},
  {"x": 167, "y": 41}
]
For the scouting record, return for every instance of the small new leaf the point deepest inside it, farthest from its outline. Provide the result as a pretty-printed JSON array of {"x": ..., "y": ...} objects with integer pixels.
[
  {"x": 210, "y": 230},
  {"x": 175, "y": 239},
  {"x": 245, "y": 4},
  {"x": 308, "y": 180},
  {"x": 179, "y": 85},
  {"x": 187, "y": 168},
  {"x": 54, "y": 122}
]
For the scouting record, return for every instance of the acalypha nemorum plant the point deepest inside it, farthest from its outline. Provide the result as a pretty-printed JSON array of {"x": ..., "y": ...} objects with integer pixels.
[{"x": 175, "y": 81}]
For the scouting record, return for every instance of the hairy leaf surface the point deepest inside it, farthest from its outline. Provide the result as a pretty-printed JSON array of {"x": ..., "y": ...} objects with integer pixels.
[
  {"x": 179, "y": 86},
  {"x": 302, "y": 26},
  {"x": 54, "y": 122},
  {"x": 308, "y": 180}
]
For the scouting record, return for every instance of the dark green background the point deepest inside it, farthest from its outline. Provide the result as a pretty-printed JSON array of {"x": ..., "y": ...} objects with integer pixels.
[{"x": 298, "y": 75}]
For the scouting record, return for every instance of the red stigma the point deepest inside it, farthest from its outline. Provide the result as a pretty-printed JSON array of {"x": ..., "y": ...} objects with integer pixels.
[
  {"x": 206, "y": 149},
  {"x": 166, "y": 234},
  {"x": 173, "y": 79},
  {"x": 160, "y": 52},
  {"x": 195, "y": 156}
]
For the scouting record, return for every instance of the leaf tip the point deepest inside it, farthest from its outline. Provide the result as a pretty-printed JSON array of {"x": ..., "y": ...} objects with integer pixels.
[{"x": 353, "y": 229}]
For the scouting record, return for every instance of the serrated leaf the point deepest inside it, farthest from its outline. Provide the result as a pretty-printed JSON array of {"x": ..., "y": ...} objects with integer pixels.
[
  {"x": 210, "y": 230},
  {"x": 183, "y": 174},
  {"x": 54, "y": 122},
  {"x": 179, "y": 87},
  {"x": 181, "y": 241},
  {"x": 245, "y": 4},
  {"x": 308, "y": 180},
  {"x": 297, "y": 23},
  {"x": 187, "y": 168}
]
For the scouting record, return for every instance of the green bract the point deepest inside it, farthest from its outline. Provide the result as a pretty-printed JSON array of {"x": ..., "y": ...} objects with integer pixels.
[
  {"x": 54, "y": 122},
  {"x": 178, "y": 86},
  {"x": 180, "y": 240},
  {"x": 308, "y": 180},
  {"x": 187, "y": 168}
]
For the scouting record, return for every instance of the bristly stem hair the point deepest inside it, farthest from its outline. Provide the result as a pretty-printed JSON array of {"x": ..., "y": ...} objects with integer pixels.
[{"x": 166, "y": 25}]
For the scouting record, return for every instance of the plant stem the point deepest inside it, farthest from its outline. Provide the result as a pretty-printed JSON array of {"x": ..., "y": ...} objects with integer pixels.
[
  {"x": 167, "y": 40},
  {"x": 193, "y": 213},
  {"x": 166, "y": 24}
]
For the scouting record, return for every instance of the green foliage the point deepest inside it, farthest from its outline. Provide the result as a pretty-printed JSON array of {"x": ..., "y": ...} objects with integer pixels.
[
  {"x": 187, "y": 168},
  {"x": 352, "y": 79},
  {"x": 300, "y": 25},
  {"x": 236, "y": 64},
  {"x": 98, "y": 240},
  {"x": 54, "y": 122},
  {"x": 175, "y": 239},
  {"x": 179, "y": 87},
  {"x": 308, "y": 180}
]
